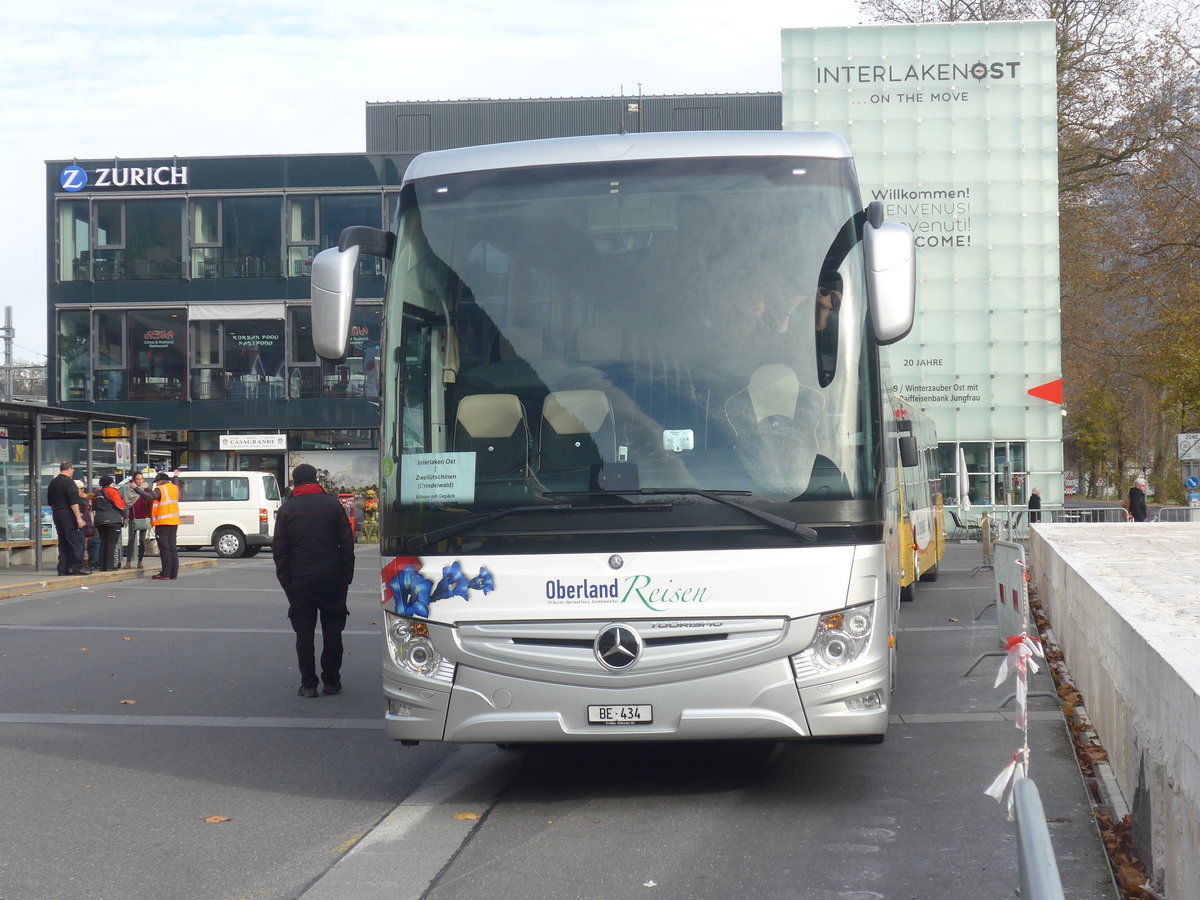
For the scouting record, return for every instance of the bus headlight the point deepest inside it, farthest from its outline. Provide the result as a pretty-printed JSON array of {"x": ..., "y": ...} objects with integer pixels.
[
  {"x": 842, "y": 637},
  {"x": 412, "y": 650}
]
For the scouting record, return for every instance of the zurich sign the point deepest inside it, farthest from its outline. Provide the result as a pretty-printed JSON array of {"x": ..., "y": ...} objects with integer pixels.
[{"x": 73, "y": 179}]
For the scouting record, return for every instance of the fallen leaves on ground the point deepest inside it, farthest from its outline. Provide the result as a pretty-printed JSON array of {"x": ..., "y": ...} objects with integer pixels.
[
  {"x": 1128, "y": 870},
  {"x": 129, "y": 702},
  {"x": 214, "y": 820},
  {"x": 466, "y": 817}
]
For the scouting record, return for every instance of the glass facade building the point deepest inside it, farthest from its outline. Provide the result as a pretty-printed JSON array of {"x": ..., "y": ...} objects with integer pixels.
[
  {"x": 179, "y": 292},
  {"x": 954, "y": 131}
]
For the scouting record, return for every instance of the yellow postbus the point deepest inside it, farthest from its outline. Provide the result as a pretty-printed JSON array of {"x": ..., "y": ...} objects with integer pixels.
[{"x": 923, "y": 539}]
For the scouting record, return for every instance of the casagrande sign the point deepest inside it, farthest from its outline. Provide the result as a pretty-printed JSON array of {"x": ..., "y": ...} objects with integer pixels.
[{"x": 953, "y": 128}]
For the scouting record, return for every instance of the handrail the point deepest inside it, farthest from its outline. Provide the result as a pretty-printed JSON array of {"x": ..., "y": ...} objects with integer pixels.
[{"x": 1036, "y": 866}]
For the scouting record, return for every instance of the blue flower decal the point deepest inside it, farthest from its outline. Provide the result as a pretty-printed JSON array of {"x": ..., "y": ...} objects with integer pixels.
[
  {"x": 454, "y": 583},
  {"x": 412, "y": 592},
  {"x": 483, "y": 582}
]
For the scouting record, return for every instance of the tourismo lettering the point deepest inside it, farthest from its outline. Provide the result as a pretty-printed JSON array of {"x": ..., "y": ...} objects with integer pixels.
[
  {"x": 584, "y": 590},
  {"x": 141, "y": 176},
  {"x": 658, "y": 595}
]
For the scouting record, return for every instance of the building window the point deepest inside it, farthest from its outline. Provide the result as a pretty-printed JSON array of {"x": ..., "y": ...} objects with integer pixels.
[
  {"x": 996, "y": 472},
  {"x": 304, "y": 369},
  {"x": 108, "y": 240},
  {"x": 252, "y": 237},
  {"x": 208, "y": 377},
  {"x": 157, "y": 355},
  {"x": 206, "y": 237},
  {"x": 358, "y": 374},
  {"x": 74, "y": 241},
  {"x": 74, "y": 355},
  {"x": 254, "y": 358},
  {"x": 109, "y": 355},
  {"x": 340, "y": 211},
  {"x": 155, "y": 238},
  {"x": 301, "y": 235}
]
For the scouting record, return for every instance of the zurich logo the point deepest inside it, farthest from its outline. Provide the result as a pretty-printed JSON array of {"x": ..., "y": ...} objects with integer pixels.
[
  {"x": 72, "y": 179},
  {"x": 618, "y": 647}
]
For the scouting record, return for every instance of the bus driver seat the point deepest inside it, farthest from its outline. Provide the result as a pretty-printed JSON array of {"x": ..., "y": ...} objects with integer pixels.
[{"x": 774, "y": 423}]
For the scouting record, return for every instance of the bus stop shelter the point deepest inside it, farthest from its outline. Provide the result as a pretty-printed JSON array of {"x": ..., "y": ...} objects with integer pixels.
[{"x": 34, "y": 440}]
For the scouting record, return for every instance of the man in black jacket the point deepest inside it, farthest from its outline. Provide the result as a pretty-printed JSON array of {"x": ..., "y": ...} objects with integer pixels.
[
  {"x": 314, "y": 562},
  {"x": 62, "y": 496}
]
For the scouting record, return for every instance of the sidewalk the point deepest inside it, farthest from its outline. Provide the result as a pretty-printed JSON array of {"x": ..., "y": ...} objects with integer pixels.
[{"x": 23, "y": 581}]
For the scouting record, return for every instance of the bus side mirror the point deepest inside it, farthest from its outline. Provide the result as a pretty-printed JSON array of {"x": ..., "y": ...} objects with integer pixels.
[
  {"x": 891, "y": 258},
  {"x": 332, "y": 293},
  {"x": 908, "y": 451}
]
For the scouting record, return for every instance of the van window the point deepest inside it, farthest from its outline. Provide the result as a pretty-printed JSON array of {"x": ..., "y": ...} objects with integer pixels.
[
  {"x": 270, "y": 487},
  {"x": 214, "y": 488}
]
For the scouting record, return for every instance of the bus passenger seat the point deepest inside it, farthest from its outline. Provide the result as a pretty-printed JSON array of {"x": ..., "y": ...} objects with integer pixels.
[
  {"x": 493, "y": 426},
  {"x": 577, "y": 432}
]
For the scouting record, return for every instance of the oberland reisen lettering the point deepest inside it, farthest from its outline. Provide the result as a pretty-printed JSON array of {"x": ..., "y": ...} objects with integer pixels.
[{"x": 141, "y": 176}]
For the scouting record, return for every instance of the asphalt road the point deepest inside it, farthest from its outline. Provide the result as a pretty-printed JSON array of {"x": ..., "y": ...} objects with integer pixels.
[
  {"x": 108, "y": 799},
  {"x": 104, "y": 798}
]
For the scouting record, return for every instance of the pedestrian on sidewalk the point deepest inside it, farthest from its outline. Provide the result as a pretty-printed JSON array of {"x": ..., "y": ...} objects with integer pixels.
[
  {"x": 91, "y": 536},
  {"x": 62, "y": 496},
  {"x": 108, "y": 515},
  {"x": 164, "y": 516},
  {"x": 314, "y": 562},
  {"x": 139, "y": 519},
  {"x": 1137, "y": 500},
  {"x": 1035, "y": 506}
]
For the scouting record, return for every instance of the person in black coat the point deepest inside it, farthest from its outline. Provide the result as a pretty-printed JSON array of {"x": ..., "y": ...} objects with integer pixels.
[
  {"x": 1035, "y": 506},
  {"x": 314, "y": 563},
  {"x": 1137, "y": 501},
  {"x": 62, "y": 496}
]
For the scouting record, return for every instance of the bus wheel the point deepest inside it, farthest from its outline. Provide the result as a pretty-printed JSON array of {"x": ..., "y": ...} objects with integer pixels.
[
  {"x": 931, "y": 575},
  {"x": 907, "y": 594}
]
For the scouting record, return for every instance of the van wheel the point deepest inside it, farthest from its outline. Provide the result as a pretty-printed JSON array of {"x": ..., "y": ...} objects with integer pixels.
[
  {"x": 252, "y": 551},
  {"x": 229, "y": 543}
]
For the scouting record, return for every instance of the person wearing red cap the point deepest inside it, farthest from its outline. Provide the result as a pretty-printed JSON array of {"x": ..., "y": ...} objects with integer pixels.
[{"x": 314, "y": 563}]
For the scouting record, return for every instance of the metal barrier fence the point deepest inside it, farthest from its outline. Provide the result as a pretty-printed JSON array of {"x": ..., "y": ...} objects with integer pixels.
[
  {"x": 1085, "y": 514},
  {"x": 1037, "y": 868},
  {"x": 1177, "y": 514}
]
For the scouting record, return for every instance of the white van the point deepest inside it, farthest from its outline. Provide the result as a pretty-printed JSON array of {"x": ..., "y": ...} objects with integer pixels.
[{"x": 232, "y": 512}]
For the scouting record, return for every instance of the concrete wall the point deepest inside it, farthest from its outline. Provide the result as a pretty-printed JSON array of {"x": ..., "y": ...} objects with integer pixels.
[{"x": 1124, "y": 602}]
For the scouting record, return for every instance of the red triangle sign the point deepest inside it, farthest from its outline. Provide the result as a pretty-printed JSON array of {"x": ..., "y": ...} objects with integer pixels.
[{"x": 1051, "y": 390}]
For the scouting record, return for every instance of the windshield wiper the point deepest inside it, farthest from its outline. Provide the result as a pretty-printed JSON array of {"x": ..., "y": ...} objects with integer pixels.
[
  {"x": 420, "y": 541},
  {"x": 722, "y": 497}
]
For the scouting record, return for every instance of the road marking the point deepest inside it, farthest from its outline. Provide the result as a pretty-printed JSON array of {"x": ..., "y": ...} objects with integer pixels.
[
  {"x": 192, "y": 721},
  {"x": 134, "y": 629},
  {"x": 377, "y": 724},
  {"x": 469, "y": 780}
]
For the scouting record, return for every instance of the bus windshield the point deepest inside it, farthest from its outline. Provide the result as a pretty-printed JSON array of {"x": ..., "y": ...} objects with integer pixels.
[{"x": 602, "y": 347}]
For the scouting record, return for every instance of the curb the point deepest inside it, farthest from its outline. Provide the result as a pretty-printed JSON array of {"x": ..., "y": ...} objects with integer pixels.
[{"x": 39, "y": 582}]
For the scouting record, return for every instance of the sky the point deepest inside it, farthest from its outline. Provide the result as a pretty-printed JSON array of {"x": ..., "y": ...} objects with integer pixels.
[{"x": 148, "y": 79}]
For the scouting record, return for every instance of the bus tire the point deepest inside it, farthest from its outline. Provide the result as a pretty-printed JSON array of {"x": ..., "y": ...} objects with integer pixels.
[
  {"x": 907, "y": 594},
  {"x": 931, "y": 575}
]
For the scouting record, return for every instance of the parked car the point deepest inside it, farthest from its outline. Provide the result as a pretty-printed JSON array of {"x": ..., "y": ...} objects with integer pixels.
[{"x": 232, "y": 512}]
